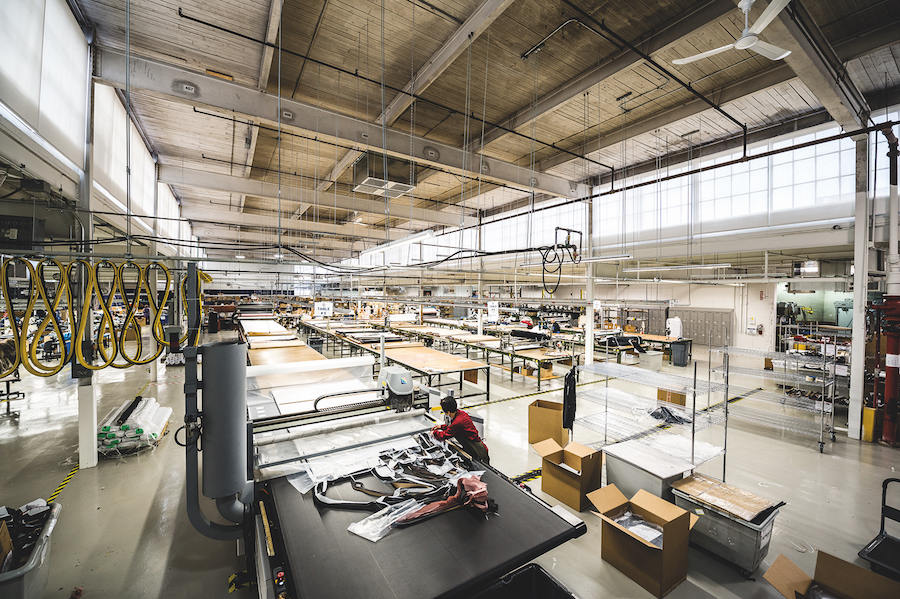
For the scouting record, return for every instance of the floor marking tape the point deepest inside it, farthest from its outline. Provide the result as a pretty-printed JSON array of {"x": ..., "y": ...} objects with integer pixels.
[{"x": 63, "y": 484}]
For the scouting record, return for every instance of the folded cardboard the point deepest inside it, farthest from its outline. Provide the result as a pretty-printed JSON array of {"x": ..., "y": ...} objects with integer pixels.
[
  {"x": 732, "y": 500},
  {"x": 835, "y": 575},
  {"x": 569, "y": 473},
  {"x": 545, "y": 421},
  {"x": 671, "y": 397},
  {"x": 659, "y": 569}
]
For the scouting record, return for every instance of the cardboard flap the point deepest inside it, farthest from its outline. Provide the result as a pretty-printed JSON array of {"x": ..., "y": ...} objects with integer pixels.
[
  {"x": 547, "y": 447},
  {"x": 546, "y": 404},
  {"x": 787, "y": 577},
  {"x": 607, "y": 498},
  {"x": 694, "y": 518},
  {"x": 637, "y": 538},
  {"x": 850, "y": 580},
  {"x": 579, "y": 450},
  {"x": 662, "y": 509}
]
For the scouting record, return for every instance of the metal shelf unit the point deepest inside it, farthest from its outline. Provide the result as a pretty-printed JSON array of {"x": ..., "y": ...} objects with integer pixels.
[{"x": 791, "y": 413}]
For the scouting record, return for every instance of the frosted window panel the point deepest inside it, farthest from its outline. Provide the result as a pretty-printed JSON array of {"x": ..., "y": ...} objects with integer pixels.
[
  {"x": 782, "y": 198},
  {"x": 759, "y": 202},
  {"x": 21, "y": 36},
  {"x": 707, "y": 211},
  {"x": 63, "y": 81},
  {"x": 848, "y": 162},
  {"x": 804, "y": 195},
  {"x": 805, "y": 171},
  {"x": 758, "y": 180},
  {"x": 828, "y": 191},
  {"x": 782, "y": 175},
  {"x": 723, "y": 187},
  {"x": 804, "y": 152},
  {"x": 707, "y": 190},
  {"x": 740, "y": 205},
  {"x": 722, "y": 208},
  {"x": 827, "y": 132},
  {"x": 828, "y": 165},
  {"x": 828, "y": 148}
]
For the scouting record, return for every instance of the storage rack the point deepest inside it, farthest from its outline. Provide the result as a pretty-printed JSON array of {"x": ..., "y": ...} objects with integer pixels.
[
  {"x": 625, "y": 416},
  {"x": 781, "y": 410}
]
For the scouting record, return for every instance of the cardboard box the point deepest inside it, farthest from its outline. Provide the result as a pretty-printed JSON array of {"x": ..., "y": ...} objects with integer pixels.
[
  {"x": 5, "y": 542},
  {"x": 671, "y": 397},
  {"x": 569, "y": 473},
  {"x": 835, "y": 575},
  {"x": 546, "y": 371},
  {"x": 657, "y": 569},
  {"x": 545, "y": 422}
]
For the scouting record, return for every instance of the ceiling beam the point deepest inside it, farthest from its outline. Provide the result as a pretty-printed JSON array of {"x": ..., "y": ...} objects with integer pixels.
[
  {"x": 700, "y": 16},
  {"x": 265, "y": 65},
  {"x": 776, "y": 75},
  {"x": 193, "y": 212},
  {"x": 195, "y": 88},
  {"x": 817, "y": 65},
  {"x": 477, "y": 22},
  {"x": 234, "y": 234},
  {"x": 480, "y": 19},
  {"x": 197, "y": 179}
]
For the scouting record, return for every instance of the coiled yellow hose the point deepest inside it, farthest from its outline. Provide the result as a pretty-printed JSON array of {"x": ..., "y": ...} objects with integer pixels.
[{"x": 110, "y": 340}]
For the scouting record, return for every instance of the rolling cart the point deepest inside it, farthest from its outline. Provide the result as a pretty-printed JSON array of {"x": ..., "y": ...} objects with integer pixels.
[{"x": 883, "y": 552}]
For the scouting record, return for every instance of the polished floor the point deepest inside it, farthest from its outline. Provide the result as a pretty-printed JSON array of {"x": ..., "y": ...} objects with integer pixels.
[{"x": 123, "y": 530}]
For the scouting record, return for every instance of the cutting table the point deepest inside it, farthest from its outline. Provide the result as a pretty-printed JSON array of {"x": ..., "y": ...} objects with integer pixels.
[{"x": 451, "y": 555}]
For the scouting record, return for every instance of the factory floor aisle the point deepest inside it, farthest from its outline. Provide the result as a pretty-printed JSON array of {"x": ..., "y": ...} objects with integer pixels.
[{"x": 124, "y": 532}]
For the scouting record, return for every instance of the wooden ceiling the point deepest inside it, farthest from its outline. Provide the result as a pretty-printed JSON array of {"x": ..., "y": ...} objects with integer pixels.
[{"x": 631, "y": 116}]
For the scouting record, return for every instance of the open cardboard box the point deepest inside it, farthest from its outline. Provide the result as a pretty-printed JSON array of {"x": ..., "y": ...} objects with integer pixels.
[
  {"x": 569, "y": 473},
  {"x": 545, "y": 421},
  {"x": 657, "y": 569},
  {"x": 840, "y": 577}
]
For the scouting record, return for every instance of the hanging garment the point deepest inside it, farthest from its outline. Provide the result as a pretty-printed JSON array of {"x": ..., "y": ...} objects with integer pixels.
[{"x": 568, "y": 415}]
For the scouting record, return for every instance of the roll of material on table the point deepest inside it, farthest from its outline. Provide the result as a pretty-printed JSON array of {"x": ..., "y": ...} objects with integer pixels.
[{"x": 455, "y": 554}]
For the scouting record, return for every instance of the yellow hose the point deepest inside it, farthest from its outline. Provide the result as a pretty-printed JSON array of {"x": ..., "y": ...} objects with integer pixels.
[{"x": 110, "y": 340}]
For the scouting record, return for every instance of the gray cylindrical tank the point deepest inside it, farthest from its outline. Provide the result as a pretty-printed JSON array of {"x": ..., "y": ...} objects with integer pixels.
[{"x": 224, "y": 397}]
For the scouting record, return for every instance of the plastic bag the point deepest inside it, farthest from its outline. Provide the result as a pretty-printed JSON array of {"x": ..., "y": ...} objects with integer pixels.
[
  {"x": 378, "y": 525},
  {"x": 302, "y": 482}
]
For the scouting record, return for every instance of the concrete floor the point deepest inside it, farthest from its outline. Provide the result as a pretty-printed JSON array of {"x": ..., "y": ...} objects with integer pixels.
[{"x": 123, "y": 529}]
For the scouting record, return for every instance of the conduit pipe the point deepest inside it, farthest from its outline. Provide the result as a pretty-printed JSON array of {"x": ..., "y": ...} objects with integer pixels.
[{"x": 890, "y": 308}]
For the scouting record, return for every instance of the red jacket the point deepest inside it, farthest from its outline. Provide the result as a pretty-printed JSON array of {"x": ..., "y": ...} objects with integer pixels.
[{"x": 461, "y": 427}]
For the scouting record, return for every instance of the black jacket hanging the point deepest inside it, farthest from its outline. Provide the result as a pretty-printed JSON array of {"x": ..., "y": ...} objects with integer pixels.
[{"x": 569, "y": 400}]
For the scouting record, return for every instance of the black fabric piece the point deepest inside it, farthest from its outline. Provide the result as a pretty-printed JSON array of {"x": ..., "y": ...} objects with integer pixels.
[
  {"x": 668, "y": 416},
  {"x": 569, "y": 400},
  {"x": 24, "y": 530}
]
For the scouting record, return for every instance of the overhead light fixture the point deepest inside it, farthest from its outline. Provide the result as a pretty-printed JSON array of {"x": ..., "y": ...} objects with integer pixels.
[
  {"x": 278, "y": 256},
  {"x": 680, "y": 267},
  {"x": 240, "y": 256},
  {"x": 589, "y": 260}
]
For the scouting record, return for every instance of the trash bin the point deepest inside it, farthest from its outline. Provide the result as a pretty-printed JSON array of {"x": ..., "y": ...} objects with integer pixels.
[
  {"x": 316, "y": 343},
  {"x": 680, "y": 354},
  {"x": 528, "y": 582},
  {"x": 28, "y": 581},
  {"x": 212, "y": 323}
]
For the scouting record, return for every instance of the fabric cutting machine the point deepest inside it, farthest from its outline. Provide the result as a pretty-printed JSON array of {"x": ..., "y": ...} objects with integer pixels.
[{"x": 273, "y": 448}]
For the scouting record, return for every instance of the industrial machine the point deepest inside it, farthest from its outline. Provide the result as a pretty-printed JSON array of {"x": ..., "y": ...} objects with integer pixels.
[{"x": 296, "y": 456}]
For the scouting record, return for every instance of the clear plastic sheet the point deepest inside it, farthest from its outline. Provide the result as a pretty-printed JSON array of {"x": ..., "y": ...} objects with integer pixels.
[
  {"x": 648, "y": 531},
  {"x": 378, "y": 525}
]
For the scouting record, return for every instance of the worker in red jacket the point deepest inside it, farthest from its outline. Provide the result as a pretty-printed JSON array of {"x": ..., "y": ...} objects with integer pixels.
[{"x": 460, "y": 427}]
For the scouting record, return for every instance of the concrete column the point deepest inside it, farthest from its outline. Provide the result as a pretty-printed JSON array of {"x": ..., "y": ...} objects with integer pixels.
[
  {"x": 860, "y": 284},
  {"x": 87, "y": 405}
]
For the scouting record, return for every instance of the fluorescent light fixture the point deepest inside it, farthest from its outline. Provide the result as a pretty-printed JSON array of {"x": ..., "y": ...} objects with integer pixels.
[
  {"x": 589, "y": 260},
  {"x": 399, "y": 242},
  {"x": 680, "y": 267},
  {"x": 278, "y": 256},
  {"x": 240, "y": 256}
]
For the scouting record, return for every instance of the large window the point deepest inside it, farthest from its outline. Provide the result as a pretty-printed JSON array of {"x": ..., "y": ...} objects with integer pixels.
[{"x": 43, "y": 73}]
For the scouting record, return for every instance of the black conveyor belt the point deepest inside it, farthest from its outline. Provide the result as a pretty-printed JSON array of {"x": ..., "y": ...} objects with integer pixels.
[{"x": 445, "y": 556}]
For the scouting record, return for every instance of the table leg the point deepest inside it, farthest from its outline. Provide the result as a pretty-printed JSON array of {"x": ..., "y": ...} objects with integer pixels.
[
  {"x": 487, "y": 383},
  {"x": 539, "y": 375}
]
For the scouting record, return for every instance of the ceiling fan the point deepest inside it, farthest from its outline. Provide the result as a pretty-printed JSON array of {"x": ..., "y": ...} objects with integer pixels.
[{"x": 749, "y": 39}]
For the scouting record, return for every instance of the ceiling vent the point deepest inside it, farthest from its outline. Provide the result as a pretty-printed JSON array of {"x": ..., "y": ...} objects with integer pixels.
[{"x": 369, "y": 176}]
